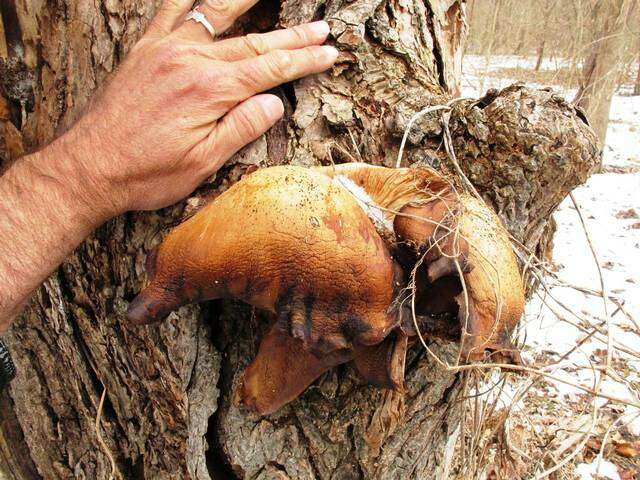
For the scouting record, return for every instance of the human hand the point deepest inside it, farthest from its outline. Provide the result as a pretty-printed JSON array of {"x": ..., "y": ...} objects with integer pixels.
[{"x": 180, "y": 105}]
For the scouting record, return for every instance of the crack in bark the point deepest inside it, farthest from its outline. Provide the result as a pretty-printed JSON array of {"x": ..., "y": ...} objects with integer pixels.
[{"x": 437, "y": 49}]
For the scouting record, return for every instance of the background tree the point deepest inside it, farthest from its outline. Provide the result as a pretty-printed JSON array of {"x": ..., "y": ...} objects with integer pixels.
[
  {"x": 594, "y": 44},
  {"x": 601, "y": 70},
  {"x": 636, "y": 88},
  {"x": 168, "y": 408},
  {"x": 548, "y": 9}
]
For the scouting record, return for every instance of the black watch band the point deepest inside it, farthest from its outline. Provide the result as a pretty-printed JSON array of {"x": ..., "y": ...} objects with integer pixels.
[{"x": 7, "y": 367}]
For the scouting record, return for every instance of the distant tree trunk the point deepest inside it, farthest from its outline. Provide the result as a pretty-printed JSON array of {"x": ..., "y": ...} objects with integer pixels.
[
  {"x": 577, "y": 40},
  {"x": 521, "y": 36},
  {"x": 168, "y": 410},
  {"x": 540, "y": 53},
  {"x": 602, "y": 66},
  {"x": 548, "y": 7},
  {"x": 636, "y": 88},
  {"x": 490, "y": 40}
]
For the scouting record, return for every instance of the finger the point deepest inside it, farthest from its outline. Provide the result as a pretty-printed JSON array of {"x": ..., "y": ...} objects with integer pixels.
[
  {"x": 280, "y": 66},
  {"x": 241, "y": 126},
  {"x": 254, "y": 45},
  {"x": 220, "y": 13},
  {"x": 168, "y": 16}
]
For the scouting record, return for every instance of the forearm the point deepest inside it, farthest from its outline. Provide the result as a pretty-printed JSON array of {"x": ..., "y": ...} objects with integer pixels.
[
  {"x": 175, "y": 111},
  {"x": 45, "y": 213}
]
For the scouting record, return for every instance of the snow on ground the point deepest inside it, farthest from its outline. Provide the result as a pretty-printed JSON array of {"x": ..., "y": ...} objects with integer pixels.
[
  {"x": 476, "y": 67},
  {"x": 610, "y": 204},
  {"x": 476, "y": 64}
]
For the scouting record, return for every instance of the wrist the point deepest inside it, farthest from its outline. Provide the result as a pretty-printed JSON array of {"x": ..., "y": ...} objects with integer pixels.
[
  {"x": 83, "y": 162},
  {"x": 45, "y": 213},
  {"x": 61, "y": 174}
]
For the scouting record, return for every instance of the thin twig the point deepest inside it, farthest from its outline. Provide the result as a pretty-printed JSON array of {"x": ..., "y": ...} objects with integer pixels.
[{"x": 101, "y": 441}]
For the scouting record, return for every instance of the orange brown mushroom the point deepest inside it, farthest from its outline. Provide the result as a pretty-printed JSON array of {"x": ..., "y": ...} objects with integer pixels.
[{"x": 328, "y": 252}]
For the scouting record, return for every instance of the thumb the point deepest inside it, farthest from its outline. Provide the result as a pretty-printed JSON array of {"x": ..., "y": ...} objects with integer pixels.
[{"x": 242, "y": 125}]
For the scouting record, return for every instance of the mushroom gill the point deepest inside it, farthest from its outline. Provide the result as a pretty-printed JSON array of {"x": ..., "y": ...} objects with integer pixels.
[{"x": 327, "y": 251}]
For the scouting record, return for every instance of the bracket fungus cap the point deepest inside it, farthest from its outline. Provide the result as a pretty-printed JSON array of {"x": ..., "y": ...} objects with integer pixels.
[{"x": 327, "y": 251}]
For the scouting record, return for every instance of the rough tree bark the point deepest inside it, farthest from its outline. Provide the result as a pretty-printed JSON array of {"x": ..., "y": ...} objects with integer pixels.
[{"x": 169, "y": 388}]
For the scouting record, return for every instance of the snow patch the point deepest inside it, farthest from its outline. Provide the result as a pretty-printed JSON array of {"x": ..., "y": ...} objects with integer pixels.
[
  {"x": 558, "y": 318},
  {"x": 599, "y": 468}
]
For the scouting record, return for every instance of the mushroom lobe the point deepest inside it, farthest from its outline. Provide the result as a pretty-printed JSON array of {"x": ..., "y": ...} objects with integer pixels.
[
  {"x": 464, "y": 264},
  {"x": 289, "y": 240},
  {"x": 320, "y": 249},
  {"x": 471, "y": 272}
]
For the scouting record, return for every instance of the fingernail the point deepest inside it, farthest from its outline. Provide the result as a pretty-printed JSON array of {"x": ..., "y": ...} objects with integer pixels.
[
  {"x": 273, "y": 107},
  {"x": 331, "y": 53},
  {"x": 321, "y": 28}
]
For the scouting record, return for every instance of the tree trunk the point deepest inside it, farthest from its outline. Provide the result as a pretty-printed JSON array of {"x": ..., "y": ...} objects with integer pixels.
[
  {"x": 548, "y": 8},
  {"x": 540, "y": 53},
  {"x": 636, "y": 88},
  {"x": 168, "y": 409},
  {"x": 601, "y": 69},
  {"x": 490, "y": 40}
]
